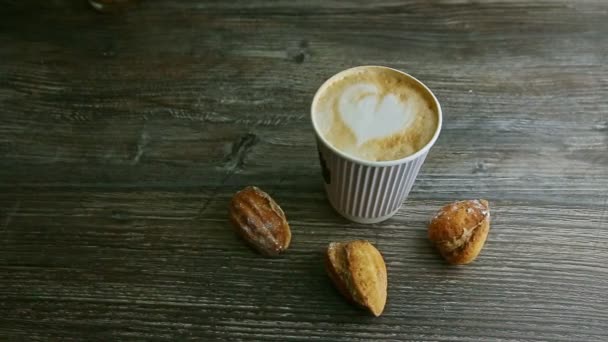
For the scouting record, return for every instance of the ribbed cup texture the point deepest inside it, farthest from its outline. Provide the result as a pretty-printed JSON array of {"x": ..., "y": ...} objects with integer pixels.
[{"x": 366, "y": 192}]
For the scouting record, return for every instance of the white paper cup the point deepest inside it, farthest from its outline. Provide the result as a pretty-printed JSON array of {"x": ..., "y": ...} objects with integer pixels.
[{"x": 366, "y": 191}]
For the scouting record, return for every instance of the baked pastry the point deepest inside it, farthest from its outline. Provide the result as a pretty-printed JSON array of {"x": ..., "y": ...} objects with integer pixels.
[
  {"x": 358, "y": 271},
  {"x": 260, "y": 221},
  {"x": 459, "y": 230}
]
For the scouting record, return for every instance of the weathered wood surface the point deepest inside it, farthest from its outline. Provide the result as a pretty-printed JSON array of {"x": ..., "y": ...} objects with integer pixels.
[{"x": 122, "y": 138}]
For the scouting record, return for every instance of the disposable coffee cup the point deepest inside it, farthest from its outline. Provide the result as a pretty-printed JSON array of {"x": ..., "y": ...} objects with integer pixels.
[{"x": 367, "y": 191}]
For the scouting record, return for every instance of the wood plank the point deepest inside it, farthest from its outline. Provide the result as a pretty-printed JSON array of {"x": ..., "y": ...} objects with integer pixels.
[{"x": 151, "y": 249}]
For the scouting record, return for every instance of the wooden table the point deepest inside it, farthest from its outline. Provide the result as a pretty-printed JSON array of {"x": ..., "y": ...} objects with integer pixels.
[{"x": 124, "y": 136}]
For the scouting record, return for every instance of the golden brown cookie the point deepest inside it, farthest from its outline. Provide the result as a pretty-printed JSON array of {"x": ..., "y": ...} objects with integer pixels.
[
  {"x": 358, "y": 271},
  {"x": 459, "y": 230}
]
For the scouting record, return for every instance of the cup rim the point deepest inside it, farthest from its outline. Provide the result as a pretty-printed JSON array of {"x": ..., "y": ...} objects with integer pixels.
[{"x": 393, "y": 162}]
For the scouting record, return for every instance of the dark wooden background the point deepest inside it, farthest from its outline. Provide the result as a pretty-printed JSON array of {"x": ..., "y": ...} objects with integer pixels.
[{"x": 123, "y": 137}]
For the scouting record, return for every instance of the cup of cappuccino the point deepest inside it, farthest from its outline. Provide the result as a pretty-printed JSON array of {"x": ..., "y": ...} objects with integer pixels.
[{"x": 374, "y": 127}]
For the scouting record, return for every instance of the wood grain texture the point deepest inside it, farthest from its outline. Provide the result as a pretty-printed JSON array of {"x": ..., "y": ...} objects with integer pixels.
[{"x": 123, "y": 137}]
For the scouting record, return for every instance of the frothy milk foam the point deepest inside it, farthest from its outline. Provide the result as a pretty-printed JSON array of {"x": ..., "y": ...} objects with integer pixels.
[{"x": 375, "y": 114}]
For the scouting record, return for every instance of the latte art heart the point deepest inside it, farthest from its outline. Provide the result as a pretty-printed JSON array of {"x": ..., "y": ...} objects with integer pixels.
[
  {"x": 370, "y": 114},
  {"x": 375, "y": 114}
]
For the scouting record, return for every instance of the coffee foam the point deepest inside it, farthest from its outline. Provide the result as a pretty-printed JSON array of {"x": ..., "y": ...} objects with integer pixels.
[{"x": 376, "y": 114}]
